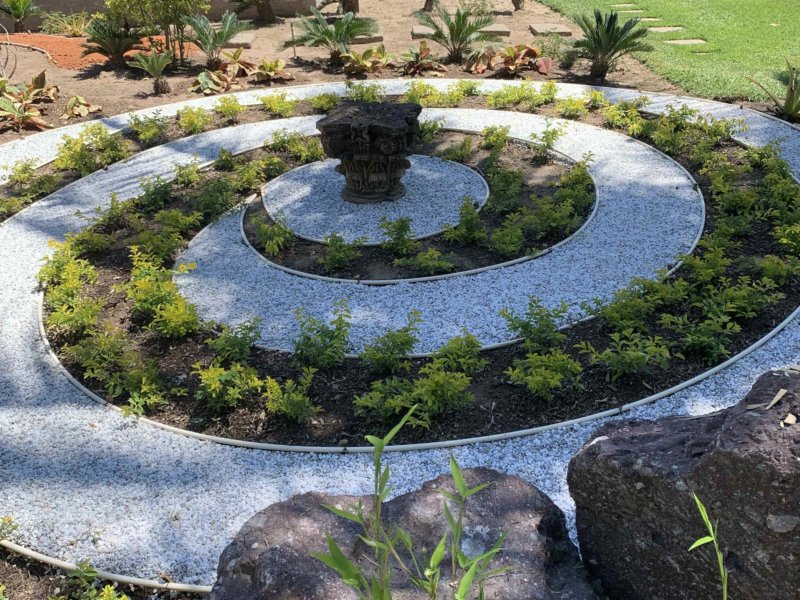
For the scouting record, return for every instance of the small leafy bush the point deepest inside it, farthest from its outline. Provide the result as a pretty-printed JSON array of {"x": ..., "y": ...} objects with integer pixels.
[
  {"x": 304, "y": 149},
  {"x": 194, "y": 120},
  {"x": 508, "y": 240},
  {"x": 319, "y": 344},
  {"x": 88, "y": 242},
  {"x": 339, "y": 253},
  {"x": 460, "y": 153},
  {"x": 461, "y": 354},
  {"x": 364, "y": 92},
  {"x": 706, "y": 338},
  {"x": 538, "y": 326},
  {"x": 428, "y": 130},
  {"x": 292, "y": 400},
  {"x": 606, "y": 40},
  {"x": 234, "y": 344},
  {"x": 150, "y": 286},
  {"x": 469, "y": 229},
  {"x": 571, "y": 108},
  {"x": 505, "y": 189},
  {"x": 629, "y": 353},
  {"x": 544, "y": 373},
  {"x": 544, "y": 142},
  {"x": 188, "y": 175},
  {"x": 226, "y": 161},
  {"x": 93, "y": 149},
  {"x": 229, "y": 108},
  {"x": 273, "y": 238},
  {"x": 216, "y": 198},
  {"x": 428, "y": 261},
  {"x": 156, "y": 193},
  {"x": 151, "y": 129},
  {"x": 324, "y": 102},
  {"x": 494, "y": 137},
  {"x": 176, "y": 319},
  {"x": 161, "y": 245},
  {"x": 397, "y": 236},
  {"x": 387, "y": 353},
  {"x": 788, "y": 236},
  {"x": 21, "y": 173},
  {"x": 278, "y": 105},
  {"x": 177, "y": 220},
  {"x": 224, "y": 388}
]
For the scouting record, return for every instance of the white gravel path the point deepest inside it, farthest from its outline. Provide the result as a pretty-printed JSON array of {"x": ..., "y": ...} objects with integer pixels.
[
  {"x": 648, "y": 213},
  {"x": 309, "y": 198},
  {"x": 85, "y": 483}
]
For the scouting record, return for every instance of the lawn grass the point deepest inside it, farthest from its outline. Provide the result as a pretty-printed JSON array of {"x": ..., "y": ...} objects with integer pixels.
[{"x": 745, "y": 38}]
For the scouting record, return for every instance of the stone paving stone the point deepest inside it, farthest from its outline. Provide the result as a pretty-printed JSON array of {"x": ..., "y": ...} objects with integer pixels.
[
  {"x": 244, "y": 39},
  {"x": 687, "y": 42},
  {"x": 548, "y": 28},
  {"x": 665, "y": 29}
]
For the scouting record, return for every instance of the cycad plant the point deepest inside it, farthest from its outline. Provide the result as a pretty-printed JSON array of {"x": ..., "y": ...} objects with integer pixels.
[
  {"x": 19, "y": 10},
  {"x": 457, "y": 33},
  {"x": 154, "y": 64},
  {"x": 210, "y": 40},
  {"x": 335, "y": 37},
  {"x": 263, "y": 8},
  {"x": 108, "y": 39},
  {"x": 606, "y": 40}
]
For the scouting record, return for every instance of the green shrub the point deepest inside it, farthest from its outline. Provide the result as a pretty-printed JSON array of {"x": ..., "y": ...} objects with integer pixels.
[
  {"x": 428, "y": 130},
  {"x": 278, "y": 105},
  {"x": 705, "y": 338},
  {"x": 628, "y": 309},
  {"x": 459, "y": 33},
  {"x": 188, "y": 174},
  {"x": 461, "y": 354},
  {"x": 387, "y": 353},
  {"x": 335, "y": 37},
  {"x": 292, "y": 400},
  {"x": 571, "y": 108},
  {"x": 150, "y": 286},
  {"x": 177, "y": 220},
  {"x": 606, "y": 40},
  {"x": 629, "y": 353},
  {"x": 469, "y": 229},
  {"x": 273, "y": 238},
  {"x": 494, "y": 137},
  {"x": 778, "y": 269},
  {"x": 194, "y": 120},
  {"x": 223, "y": 388},
  {"x": 226, "y": 161},
  {"x": 339, "y": 253},
  {"x": 544, "y": 373},
  {"x": 156, "y": 193},
  {"x": 247, "y": 177},
  {"x": 538, "y": 326},
  {"x": 305, "y": 150},
  {"x": 161, "y": 245},
  {"x": 176, "y": 319},
  {"x": 216, "y": 198},
  {"x": 76, "y": 318},
  {"x": 151, "y": 129},
  {"x": 544, "y": 142},
  {"x": 428, "y": 261},
  {"x": 88, "y": 242},
  {"x": 505, "y": 189},
  {"x": 209, "y": 38},
  {"x": 507, "y": 241},
  {"x": 435, "y": 392},
  {"x": 364, "y": 92},
  {"x": 93, "y": 149},
  {"x": 324, "y": 102},
  {"x": 397, "y": 237},
  {"x": 229, "y": 108},
  {"x": 234, "y": 344},
  {"x": 460, "y": 153},
  {"x": 788, "y": 236},
  {"x": 319, "y": 344},
  {"x": 21, "y": 173}
]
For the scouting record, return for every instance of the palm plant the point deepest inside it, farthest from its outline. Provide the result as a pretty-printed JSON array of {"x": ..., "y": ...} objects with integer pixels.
[
  {"x": 606, "y": 40},
  {"x": 335, "y": 37},
  {"x": 19, "y": 10},
  {"x": 210, "y": 40},
  {"x": 263, "y": 9},
  {"x": 108, "y": 39},
  {"x": 154, "y": 64},
  {"x": 457, "y": 33}
]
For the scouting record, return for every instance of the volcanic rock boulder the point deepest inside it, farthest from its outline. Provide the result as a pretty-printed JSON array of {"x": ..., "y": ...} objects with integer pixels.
[
  {"x": 633, "y": 483},
  {"x": 270, "y": 558}
]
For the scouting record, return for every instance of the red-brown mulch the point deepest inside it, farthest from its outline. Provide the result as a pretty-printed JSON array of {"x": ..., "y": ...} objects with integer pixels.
[{"x": 65, "y": 52}]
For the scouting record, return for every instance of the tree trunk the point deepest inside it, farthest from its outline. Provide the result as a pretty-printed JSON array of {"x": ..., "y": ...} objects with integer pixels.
[
  {"x": 350, "y": 6},
  {"x": 265, "y": 12},
  {"x": 19, "y": 26},
  {"x": 428, "y": 5}
]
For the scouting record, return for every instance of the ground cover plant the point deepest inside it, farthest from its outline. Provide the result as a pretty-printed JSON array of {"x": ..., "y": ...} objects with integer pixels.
[
  {"x": 741, "y": 281},
  {"x": 751, "y": 39}
]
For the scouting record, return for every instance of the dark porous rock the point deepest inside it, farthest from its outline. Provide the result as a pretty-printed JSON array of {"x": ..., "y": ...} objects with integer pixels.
[
  {"x": 636, "y": 518},
  {"x": 270, "y": 558}
]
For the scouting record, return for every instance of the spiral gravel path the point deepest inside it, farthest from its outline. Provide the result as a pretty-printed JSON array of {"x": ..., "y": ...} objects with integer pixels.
[{"x": 84, "y": 483}]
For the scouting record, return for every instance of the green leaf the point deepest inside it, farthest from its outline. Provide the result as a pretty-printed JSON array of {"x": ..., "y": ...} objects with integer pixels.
[
  {"x": 466, "y": 582},
  {"x": 438, "y": 553},
  {"x": 701, "y": 542},
  {"x": 345, "y": 514},
  {"x": 458, "y": 478},
  {"x": 477, "y": 489}
]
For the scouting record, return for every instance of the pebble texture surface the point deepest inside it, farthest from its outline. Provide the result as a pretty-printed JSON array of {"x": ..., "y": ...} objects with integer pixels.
[
  {"x": 310, "y": 199},
  {"x": 84, "y": 483}
]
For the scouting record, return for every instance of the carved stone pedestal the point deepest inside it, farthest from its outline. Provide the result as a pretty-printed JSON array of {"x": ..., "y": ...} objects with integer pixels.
[{"x": 372, "y": 140}]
